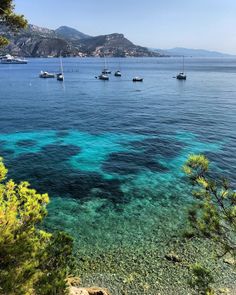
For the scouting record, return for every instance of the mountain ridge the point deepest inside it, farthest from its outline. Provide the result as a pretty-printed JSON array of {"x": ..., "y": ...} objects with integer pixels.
[
  {"x": 35, "y": 41},
  {"x": 71, "y": 33}
]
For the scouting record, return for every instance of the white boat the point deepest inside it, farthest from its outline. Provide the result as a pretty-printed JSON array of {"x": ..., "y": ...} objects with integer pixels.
[
  {"x": 117, "y": 74},
  {"x": 106, "y": 71},
  {"x": 46, "y": 75},
  {"x": 137, "y": 79},
  {"x": 9, "y": 59},
  {"x": 60, "y": 76},
  {"x": 103, "y": 77},
  {"x": 182, "y": 75}
]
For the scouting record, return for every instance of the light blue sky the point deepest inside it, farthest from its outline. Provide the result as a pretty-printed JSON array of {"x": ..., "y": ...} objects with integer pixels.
[{"x": 208, "y": 24}]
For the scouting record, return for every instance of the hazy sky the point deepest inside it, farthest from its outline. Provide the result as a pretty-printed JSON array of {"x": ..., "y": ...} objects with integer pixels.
[{"x": 208, "y": 24}]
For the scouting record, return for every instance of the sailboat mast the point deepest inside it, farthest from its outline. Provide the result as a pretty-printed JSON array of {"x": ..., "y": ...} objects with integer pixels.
[
  {"x": 61, "y": 65},
  {"x": 105, "y": 61},
  {"x": 183, "y": 63}
]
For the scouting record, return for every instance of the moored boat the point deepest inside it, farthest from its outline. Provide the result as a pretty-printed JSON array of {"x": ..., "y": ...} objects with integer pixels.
[
  {"x": 46, "y": 75},
  {"x": 9, "y": 59},
  {"x": 182, "y": 75},
  {"x": 117, "y": 74},
  {"x": 103, "y": 77},
  {"x": 60, "y": 77},
  {"x": 106, "y": 71},
  {"x": 137, "y": 79}
]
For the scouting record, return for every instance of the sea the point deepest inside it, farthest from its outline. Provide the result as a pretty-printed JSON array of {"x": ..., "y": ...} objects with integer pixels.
[{"x": 110, "y": 153}]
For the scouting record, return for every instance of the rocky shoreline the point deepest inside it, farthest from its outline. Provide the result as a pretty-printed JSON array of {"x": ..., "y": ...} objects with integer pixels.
[{"x": 155, "y": 269}]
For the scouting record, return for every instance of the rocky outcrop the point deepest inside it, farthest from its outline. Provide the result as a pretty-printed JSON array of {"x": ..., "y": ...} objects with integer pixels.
[{"x": 88, "y": 291}]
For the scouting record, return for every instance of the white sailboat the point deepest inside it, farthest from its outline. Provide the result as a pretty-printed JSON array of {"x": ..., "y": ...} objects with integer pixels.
[
  {"x": 105, "y": 71},
  {"x": 182, "y": 75},
  {"x": 118, "y": 72},
  {"x": 60, "y": 76}
]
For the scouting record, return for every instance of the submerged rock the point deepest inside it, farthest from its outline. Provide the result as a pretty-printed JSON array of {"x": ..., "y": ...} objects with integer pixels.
[
  {"x": 230, "y": 260},
  {"x": 173, "y": 257}
]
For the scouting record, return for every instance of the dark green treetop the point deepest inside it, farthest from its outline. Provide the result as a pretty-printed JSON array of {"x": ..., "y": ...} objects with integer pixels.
[{"x": 10, "y": 19}]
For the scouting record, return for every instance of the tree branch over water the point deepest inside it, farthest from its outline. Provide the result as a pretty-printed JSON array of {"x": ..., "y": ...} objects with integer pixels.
[{"x": 214, "y": 213}]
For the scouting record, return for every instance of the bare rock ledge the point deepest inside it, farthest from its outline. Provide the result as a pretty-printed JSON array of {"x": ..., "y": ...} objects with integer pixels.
[{"x": 88, "y": 291}]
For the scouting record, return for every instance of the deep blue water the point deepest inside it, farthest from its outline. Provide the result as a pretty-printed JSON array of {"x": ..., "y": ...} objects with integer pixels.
[{"x": 110, "y": 152}]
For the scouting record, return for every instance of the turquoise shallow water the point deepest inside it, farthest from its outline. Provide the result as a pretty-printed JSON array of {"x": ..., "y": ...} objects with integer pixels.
[{"x": 110, "y": 153}]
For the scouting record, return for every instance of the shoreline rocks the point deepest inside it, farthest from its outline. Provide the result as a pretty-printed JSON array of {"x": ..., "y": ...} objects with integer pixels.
[{"x": 88, "y": 291}]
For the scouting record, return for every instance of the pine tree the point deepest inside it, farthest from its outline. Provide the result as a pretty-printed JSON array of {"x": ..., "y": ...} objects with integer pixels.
[
  {"x": 10, "y": 19},
  {"x": 32, "y": 261}
]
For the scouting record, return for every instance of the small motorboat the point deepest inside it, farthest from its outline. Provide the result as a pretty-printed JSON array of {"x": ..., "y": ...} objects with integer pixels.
[
  {"x": 106, "y": 71},
  {"x": 137, "y": 79},
  {"x": 103, "y": 77},
  {"x": 46, "y": 75},
  {"x": 117, "y": 74},
  {"x": 181, "y": 76},
  {"x": 60, "y": 77}
]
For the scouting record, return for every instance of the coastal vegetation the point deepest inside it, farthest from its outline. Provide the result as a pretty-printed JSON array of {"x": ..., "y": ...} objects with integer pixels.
[
  {"x": 10, "y": 19},
  {"x": 32, "y": 261},
  {"x": 213, "y": 216},
  {"x": 214, "y": 213}
]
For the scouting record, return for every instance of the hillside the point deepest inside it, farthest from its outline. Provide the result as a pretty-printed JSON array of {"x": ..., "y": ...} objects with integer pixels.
[{"x": 42, "y": 42}]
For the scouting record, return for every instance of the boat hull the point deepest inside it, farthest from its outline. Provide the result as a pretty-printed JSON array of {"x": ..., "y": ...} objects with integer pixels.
[
  {"x": 137, "y": 79},
  {"x": 106, "y": 72},
  {"x": 15, "y": 62},
  {"x": 117, "y": 74},
  {"x": 46, "y": 75},
  {"x": 103, "y": 77},
  {"x": 60, "y": 77},
  {"x": 181, "y": 77}
]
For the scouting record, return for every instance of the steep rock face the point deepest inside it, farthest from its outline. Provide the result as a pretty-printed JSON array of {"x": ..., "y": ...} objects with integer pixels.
[{"x": 42, "y": 42}]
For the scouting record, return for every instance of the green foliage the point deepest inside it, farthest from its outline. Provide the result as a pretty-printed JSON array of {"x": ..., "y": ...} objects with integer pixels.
[
  {"x": 10, "y": 19},
  {"x": 32, "y": 261},
  {"x": 55, "y": 265},
  {"x": 214, "y": 213},
  {"x": 201, "y": 280}
]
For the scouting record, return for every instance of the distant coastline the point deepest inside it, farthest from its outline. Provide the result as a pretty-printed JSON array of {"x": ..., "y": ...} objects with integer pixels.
[{"x": 68, "y": 42}]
